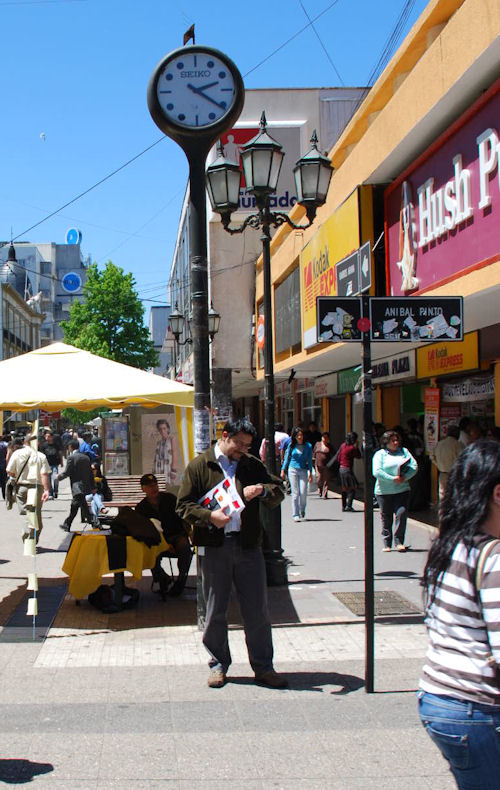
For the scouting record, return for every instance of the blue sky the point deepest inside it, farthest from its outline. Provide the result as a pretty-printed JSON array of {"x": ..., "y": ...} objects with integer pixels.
[{"x": 73, "y": 85}]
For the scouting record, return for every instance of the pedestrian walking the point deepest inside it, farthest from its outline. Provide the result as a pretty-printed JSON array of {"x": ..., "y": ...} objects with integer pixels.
[
  {"x": 459, "y": 697},
  {"x": 393, "y": 466},
  {"x": 4, "y": 443},
  {"x": 346, "y": 455},
  {"x": 279, "y": 436},
  {"x": 30, "y": 470},
  {"x": 54, "y": 456},
  {"x": 82, "y": 483},
  {"x": 230, "y": 549},
  {"x": 297, "y": 465},
  {"x": 323, "y": 451},
  {"x": 446, "y": 452}
]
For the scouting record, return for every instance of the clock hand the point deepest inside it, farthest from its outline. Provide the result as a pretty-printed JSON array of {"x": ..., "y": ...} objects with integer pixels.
[
  {"x": 200, "y": 92},
  {"x": 209, "y": 85}
]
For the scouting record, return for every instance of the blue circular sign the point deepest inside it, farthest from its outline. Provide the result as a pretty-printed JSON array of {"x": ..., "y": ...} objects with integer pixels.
[
  {"x": 73, "y": 236},
  {"x": 71, "y": 282}
]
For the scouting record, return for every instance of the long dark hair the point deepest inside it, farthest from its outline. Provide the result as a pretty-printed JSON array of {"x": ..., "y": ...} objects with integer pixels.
[
  {"x": 294, "y": 433},
  {"x": 464, "y": 507}
]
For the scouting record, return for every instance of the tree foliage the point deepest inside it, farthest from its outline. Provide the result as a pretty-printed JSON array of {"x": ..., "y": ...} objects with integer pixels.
[{"x": 109, "y": 322}]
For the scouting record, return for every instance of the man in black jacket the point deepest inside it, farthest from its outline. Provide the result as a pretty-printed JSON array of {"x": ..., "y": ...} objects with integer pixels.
[
  {"x": 230, "y": 549},
  {"x": 82, "y": 483},
  {"x": 161, "y": 505}
]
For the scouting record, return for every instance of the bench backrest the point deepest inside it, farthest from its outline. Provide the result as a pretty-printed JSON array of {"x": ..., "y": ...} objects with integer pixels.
[{"x": 128, "y": 488}]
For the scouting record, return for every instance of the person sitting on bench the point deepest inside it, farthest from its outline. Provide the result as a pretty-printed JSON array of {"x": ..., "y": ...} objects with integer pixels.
[{"x": 161, "y": 505}]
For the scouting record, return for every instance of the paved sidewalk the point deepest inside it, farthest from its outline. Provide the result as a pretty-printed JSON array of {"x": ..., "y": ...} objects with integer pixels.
[{"x": 122, "y": 701}]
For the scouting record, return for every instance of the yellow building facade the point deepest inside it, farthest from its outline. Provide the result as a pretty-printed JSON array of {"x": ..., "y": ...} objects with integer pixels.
[{"x": 439, "y": 94}]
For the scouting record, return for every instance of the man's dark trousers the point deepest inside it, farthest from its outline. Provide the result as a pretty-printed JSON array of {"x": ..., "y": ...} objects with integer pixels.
[{"x": 220, "y": 567}]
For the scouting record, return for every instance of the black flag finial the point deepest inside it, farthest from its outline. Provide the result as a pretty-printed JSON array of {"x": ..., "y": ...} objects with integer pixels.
[{"x": 188, "y": 35}]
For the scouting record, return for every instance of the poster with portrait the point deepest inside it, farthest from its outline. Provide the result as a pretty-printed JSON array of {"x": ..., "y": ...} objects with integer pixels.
[{"x": 167, "y": 443}]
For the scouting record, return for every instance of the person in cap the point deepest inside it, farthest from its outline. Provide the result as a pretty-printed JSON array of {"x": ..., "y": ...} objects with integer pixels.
[{"x": 161, "y": 505}]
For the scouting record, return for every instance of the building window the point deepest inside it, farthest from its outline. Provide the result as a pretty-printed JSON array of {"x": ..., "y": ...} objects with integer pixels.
[
  {"x": 310, "y": 408},
  {"x": 287, "y": 315}
]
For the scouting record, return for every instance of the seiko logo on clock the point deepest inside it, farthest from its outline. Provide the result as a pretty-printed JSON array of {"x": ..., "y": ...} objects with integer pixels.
[{"x": 199, "y": 73}]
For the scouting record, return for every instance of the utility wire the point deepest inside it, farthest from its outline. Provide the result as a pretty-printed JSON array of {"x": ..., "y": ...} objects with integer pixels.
[
  {"x": 290, "y": 39},
  {"x": 86, "y": 191},
  {"x": 332, "y": 64},
  {"x": 392, "y": 42}
]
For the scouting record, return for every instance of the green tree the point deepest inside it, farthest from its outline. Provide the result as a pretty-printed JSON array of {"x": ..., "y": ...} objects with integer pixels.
[{"x": 109, "y": 322}]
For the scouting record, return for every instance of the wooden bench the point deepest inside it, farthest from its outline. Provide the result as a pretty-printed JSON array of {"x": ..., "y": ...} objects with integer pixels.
[{"x": 126, "y": 491}]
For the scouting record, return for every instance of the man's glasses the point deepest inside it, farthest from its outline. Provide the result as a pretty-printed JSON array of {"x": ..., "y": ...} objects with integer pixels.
[{"x": 242, "y": 445}]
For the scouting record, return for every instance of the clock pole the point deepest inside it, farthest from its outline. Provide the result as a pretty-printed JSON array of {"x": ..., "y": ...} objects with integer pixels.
[{"x": 195, "y": 117}]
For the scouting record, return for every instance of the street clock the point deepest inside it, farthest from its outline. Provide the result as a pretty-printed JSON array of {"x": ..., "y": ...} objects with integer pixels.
[{"x": 195, "y": 93}]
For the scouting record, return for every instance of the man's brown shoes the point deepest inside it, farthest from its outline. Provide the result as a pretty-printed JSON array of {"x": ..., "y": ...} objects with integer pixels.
[
  {"x": 271, "y": 679},
  {"x": 216, "y": 679}
]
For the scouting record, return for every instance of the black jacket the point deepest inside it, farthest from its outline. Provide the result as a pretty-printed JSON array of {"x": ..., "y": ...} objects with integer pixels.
[
  {"x": 79, "y": 472},
  {"x": 171, "y": 524}
]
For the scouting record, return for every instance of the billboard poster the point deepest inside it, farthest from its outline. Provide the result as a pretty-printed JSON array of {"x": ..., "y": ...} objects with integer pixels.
[
  {"x": 167, "y": 442},
  {"x": 335, "y": 239},
  {"x": 431, "y": 418},
  {"x": 442, "y": 214}
]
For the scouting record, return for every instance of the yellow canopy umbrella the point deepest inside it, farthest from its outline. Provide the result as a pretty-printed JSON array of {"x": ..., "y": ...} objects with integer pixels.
[{"x": 60, "y": 376}]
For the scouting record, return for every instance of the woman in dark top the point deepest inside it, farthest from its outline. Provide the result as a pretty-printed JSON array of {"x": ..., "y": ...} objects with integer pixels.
[
  {"x": 322, "y": 452},
  {"x": 346, "y": 454}
]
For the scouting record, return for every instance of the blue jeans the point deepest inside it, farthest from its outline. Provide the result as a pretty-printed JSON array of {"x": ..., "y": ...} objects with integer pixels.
[
  {"x": 54, "y": 482},
  {"x": 468, "y": 735},
  {"x": 298, "y": 484},
  {"x": 95, "y": 504}
]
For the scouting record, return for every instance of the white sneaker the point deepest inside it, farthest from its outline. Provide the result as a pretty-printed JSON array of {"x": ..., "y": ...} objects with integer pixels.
[{"x": 296, "y": 518}]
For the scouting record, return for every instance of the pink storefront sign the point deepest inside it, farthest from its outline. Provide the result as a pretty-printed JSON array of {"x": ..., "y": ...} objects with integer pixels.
[{"x": 443, "y": 213}]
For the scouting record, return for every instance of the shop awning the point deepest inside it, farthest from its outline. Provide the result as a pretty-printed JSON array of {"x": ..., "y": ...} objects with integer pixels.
[{"x": 60, "y": 376}]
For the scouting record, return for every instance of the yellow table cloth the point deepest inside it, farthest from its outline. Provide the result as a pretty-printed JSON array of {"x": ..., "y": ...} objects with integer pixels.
[{"x": 87, "y": 561}]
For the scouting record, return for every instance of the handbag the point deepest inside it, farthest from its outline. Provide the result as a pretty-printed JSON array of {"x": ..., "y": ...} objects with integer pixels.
[{"x": 11, "y": 487}]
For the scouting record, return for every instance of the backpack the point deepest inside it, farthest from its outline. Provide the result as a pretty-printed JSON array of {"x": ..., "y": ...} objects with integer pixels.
[{"x": 104, "y": 598}]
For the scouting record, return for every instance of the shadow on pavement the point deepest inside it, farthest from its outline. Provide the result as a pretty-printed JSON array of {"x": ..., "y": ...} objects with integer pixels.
[
  {"x": 16, "y": 772},
  {"x": 312, "y": 681}
]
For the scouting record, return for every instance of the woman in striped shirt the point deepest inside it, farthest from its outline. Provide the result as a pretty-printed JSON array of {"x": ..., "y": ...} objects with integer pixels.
[{"x": 459, "y": 697}]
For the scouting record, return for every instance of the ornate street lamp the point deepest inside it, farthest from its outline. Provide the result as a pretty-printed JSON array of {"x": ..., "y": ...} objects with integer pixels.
[
  {"x": 262, "y": 158},
  {"x": 177, "y": 321}
]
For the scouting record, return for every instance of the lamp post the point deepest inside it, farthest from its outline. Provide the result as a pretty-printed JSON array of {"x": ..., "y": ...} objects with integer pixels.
[
  {"x": 178, "y": 319},
  {"x": 262, "y": 158}
]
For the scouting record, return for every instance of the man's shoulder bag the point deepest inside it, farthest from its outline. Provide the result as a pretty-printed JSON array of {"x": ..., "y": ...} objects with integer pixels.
[{"x": 11, "y": 487}]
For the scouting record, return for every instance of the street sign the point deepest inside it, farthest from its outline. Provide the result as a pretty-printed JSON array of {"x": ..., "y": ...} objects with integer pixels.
[
  {"x": 337, "y": 319},
  {"x": 347, "y": 272},
  {"x": 365, "y": 267},
  {"x": 414, "y": 318},
  {"x": 354, "y": 273}
]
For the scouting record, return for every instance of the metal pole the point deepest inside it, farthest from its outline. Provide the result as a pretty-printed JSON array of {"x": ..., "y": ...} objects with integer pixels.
[
  {"x": 199, "y": 300},
  {"x": 273, "y": 552},
  {"x": 199, "y": 324},
  {"x": 368, "y": 454}
]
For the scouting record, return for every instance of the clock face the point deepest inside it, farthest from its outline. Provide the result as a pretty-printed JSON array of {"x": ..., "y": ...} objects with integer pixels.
[{"x": 195, "y": 89}]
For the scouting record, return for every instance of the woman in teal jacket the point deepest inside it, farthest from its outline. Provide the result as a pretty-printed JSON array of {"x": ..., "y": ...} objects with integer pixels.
[
  {"x": 393, "y": 467},
  {"x": 297, "y": 463}
]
